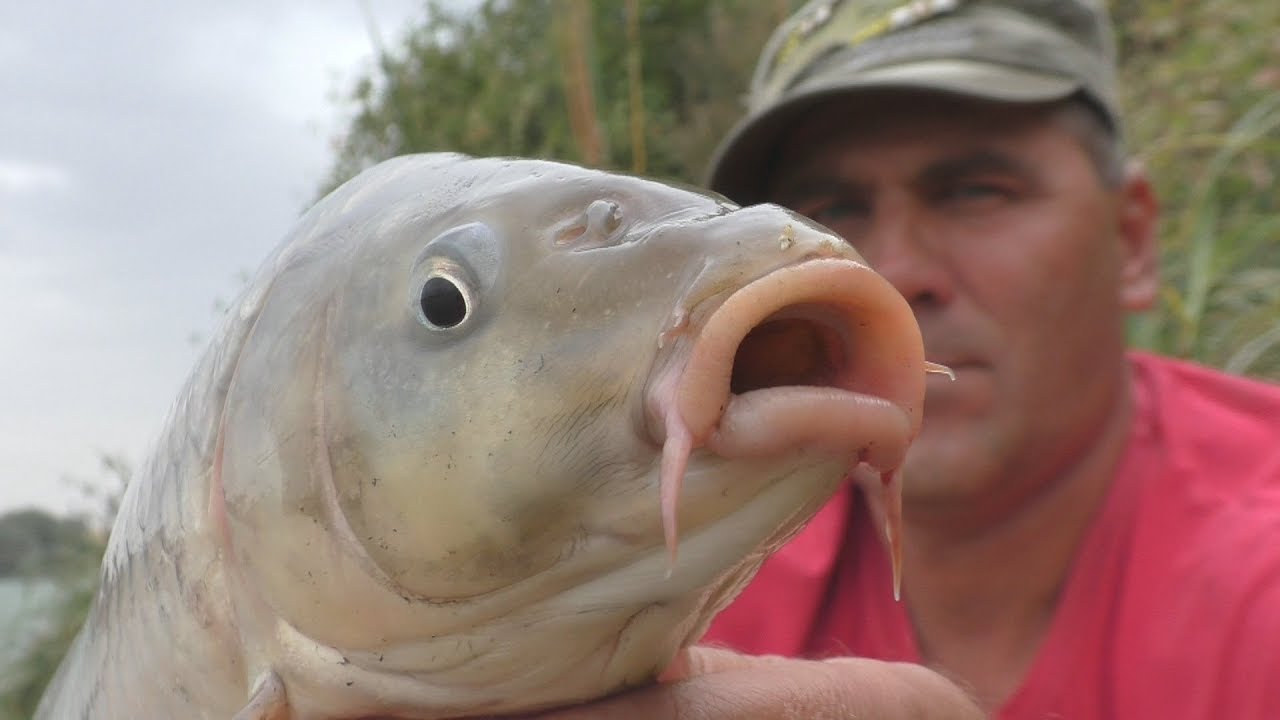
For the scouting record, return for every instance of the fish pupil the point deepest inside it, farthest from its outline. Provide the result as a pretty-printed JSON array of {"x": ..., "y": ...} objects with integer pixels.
[{"x": 443, "y": 304}]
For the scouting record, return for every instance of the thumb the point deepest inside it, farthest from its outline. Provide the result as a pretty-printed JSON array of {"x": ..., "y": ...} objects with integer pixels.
[{"x": 699, "y": 660}]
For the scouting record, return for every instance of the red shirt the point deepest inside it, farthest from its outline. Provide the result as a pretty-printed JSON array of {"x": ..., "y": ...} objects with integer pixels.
[{"x": 1172, "y": 606}]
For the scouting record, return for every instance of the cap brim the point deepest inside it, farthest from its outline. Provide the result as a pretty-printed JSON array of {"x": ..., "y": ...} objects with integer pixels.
[{"x": 738, "y": 165}]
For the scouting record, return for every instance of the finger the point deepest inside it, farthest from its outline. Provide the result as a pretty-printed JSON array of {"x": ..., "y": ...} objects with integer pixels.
[
  {"x": 705, "y": 659},
  {"x": 929, "y": 694},
  {"x": 774, "y": 689}
]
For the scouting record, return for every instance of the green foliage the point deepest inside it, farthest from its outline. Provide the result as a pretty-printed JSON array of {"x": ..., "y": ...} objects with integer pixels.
[
  {"x": 56, "y": 626},
  {"x": 501, "y": 82},
  {"x": 1203, "y": 109},
  {"x": 35, "y": 542},
  {"x": 44, "y": 632}
]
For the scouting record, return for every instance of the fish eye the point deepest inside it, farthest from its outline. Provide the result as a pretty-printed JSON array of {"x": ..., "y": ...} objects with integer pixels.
[{"x": 444, "y": 301}]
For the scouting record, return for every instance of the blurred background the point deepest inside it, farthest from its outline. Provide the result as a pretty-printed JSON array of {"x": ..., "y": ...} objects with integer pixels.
[{"x": 151, "y": 154}]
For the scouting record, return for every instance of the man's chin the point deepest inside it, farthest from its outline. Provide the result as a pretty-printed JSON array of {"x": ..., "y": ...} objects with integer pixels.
[{"x": 941, "y": 465}]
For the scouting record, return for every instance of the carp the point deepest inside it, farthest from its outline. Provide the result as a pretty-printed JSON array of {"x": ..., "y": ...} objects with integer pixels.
[{"x": 488, "y": 436}]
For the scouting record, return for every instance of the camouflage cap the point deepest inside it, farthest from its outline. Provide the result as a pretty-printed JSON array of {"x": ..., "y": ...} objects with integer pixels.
[{"x": 1000, "y": 50}]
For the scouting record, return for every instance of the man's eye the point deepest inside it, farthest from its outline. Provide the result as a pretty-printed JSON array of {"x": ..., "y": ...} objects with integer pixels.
[{"x": 974, "y": 191}]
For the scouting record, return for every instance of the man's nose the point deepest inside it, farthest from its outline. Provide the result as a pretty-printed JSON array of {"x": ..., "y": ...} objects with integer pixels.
[{"x": 900, "y": 247}]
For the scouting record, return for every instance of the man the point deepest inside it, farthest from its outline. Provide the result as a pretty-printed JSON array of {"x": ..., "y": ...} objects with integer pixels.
[{"x": 1090, "y": 533}]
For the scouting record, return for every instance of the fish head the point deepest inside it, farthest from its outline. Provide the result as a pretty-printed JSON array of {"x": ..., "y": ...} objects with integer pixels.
[{"x": 507, "y": 434}]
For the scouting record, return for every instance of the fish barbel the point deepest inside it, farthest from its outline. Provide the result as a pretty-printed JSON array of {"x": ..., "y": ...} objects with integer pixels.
[{"x": 489, "y": 436}]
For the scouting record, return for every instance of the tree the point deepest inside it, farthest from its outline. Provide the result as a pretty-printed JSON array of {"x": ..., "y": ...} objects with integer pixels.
[
  {"x": 37, "y": 542},
  {"x": 645, "y": 85}
]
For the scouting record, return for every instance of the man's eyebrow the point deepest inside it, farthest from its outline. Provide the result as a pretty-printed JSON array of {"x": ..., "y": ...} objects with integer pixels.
[
  {"x": 978, "y": 162},
  {"x": 804, "y": 187}
]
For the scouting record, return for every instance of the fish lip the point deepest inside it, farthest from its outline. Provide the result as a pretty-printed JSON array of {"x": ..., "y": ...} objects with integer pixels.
[
  {"x": 852, "y": 308},
  {"x": 868, "y": 413}
]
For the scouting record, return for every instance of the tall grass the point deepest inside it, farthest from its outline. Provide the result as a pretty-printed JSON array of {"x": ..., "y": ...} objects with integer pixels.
[
  {"x": 1221, "y": 294},
  {"x": 1203, "y": 111}
]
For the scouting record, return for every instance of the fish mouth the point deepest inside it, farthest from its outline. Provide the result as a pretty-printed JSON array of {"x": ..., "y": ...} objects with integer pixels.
[
  {"x": 822, "y": 355},
  {"x": 803, "y": 360}
]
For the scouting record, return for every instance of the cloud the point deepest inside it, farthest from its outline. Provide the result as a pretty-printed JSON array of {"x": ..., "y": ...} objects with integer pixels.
[
  {"x": 21, "y": 177},
  {"x": 150, "y": 153}
]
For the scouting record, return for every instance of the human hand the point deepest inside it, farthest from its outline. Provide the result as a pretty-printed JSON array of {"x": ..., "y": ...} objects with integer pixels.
[{"x": 711, "y": 684}]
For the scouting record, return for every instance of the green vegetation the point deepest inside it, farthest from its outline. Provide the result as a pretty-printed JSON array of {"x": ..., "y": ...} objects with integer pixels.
[
  {"x": 47, "y": 637},
  {"x": 1203, "y": 106},
  {"x": 34, "y": 542},
  {"x": 60, "y": 555},
  {"x": 649, "y": 86},
  {"x": 645, "y": 86}
]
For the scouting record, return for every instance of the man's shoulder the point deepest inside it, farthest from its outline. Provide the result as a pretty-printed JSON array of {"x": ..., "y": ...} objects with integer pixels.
[
  {"x": 1204, "y": 575},
  {"x": 1208, "y": 422},
  {"x": 1187, "y": 381}
]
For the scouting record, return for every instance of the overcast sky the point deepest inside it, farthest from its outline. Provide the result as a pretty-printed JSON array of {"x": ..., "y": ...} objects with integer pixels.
[{"x": 150, "y": 152}]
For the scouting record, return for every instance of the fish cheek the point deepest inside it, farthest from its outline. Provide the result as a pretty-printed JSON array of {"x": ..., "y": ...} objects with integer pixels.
[
  {"x": 427, "y": 503},
  {"x": 494, "y": 485},
  {"x": 426, "y": 534}
]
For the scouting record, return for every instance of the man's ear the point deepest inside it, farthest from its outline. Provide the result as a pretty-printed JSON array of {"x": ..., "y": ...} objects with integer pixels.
[{"x": 1137, "y": 218}]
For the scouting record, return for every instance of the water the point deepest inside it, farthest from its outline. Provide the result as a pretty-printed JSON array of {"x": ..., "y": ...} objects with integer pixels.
[{"x": 21, "y": 617}]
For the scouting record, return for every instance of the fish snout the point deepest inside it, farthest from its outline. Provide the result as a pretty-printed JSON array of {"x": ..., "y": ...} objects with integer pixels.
[{"x": 822, "y": 355}]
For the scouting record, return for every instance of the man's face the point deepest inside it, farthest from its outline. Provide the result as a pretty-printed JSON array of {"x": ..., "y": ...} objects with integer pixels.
[{"x": 1018, "y": 259}]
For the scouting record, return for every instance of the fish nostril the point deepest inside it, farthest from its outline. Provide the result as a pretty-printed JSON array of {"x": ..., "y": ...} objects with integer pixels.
[
  {"x": 789, "y": 352},
  {"x": 594, "y": 228}
]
